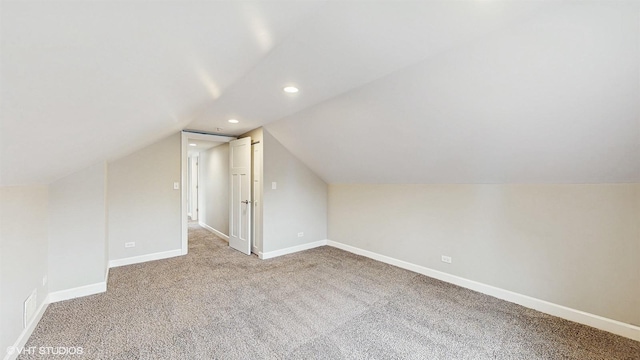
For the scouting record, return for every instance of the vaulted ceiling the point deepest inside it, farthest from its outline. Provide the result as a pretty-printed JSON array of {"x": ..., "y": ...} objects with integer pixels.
[{"x": 399, "y": 92}]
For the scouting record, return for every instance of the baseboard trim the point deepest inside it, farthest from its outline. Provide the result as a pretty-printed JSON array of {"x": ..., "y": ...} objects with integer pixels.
[
  {"x": 52, "y": 298},
  {"x": 26, "y": 332},
  {"x": 291, "y": 250},
  {"x": 144, "y": 258},
  {"x": 214, "y": 231},
  {"x": 77, "y": 292},
  {"x": 596, "y": 321}
]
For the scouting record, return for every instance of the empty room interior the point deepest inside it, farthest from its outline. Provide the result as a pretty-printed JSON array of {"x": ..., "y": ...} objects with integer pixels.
[{"x": 320, "y": 179}]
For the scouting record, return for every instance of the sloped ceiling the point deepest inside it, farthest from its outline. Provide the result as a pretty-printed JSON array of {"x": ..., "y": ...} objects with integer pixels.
[
  {"x": 86, "y": 81},
  {"x": 395, "y": 92},
  {"x": 552, "y": 100}
]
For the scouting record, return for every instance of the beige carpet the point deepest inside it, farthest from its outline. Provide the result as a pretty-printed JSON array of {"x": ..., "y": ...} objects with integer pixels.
[{"x": 319, "y": 304}]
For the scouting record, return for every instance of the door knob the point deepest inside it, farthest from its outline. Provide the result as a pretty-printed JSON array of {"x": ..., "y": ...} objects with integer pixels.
[{"x": 246, "y": 202}]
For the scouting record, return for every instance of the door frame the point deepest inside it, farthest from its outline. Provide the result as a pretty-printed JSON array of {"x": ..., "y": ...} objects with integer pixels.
[{"x": 184, "y": 144}]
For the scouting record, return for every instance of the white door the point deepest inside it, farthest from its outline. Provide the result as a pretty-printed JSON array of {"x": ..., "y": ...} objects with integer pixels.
[{"x": 240, "y": 195}]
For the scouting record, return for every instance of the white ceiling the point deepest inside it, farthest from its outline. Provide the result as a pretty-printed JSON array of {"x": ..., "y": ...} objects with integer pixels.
[
  {"x": 552, "y": 100},
  {"x": 86, "y": 81},
  {"x": 466, "y": 91}
]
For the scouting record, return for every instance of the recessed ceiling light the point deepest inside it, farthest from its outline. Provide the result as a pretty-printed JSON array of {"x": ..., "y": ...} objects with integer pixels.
[
  {"x": 233, "y": 121},
  {"x": 192, "y": 144},
  {"x": 291, "y": 89}
]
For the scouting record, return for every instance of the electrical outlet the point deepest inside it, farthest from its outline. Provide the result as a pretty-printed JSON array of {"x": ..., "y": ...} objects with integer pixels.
[
  {"x": 44, "y": 280},
  {"x": 130, "y": 244},
  {"x": 446, "y": 259},
  {"x": 274, "y": 185},
  {"x": 300, "y": 234},
  {"x": 176, "y": 186}
]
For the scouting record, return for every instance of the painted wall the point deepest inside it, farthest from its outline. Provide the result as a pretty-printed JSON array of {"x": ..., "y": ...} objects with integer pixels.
[
  {"x": 192, "y": 180},
  {"x": 77, "y": 229},
  {"x": 23, "y": 255},
  {"x": 299, "y": 204},
  {"x": 214, "y": 188},
  {"x": 572, "y": 245},
  {"x": 143, "y": 206},
  {"x": 255, "y": 134}
]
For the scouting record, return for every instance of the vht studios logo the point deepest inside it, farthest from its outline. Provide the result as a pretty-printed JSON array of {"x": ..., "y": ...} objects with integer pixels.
[{"x": 46, "y": 350}]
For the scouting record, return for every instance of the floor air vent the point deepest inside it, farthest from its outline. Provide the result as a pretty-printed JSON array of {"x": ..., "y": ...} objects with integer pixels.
[{"x": 30, "y": 308}]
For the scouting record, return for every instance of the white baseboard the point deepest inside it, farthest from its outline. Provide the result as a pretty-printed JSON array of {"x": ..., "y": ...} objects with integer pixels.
[
  {"x": 26, "y": 333},
  {"x": 81, "y": 291},
  {"x": 596, "y": 321},
  {"x": 145, "y": 258},
  {"x": 51, "y": 298},
  {"x": 291, "y": 250},
  {"x": 216, "y": 232}
]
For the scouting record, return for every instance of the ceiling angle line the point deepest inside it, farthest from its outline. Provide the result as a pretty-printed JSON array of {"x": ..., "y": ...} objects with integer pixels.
[{"x": 206, "y": 133}]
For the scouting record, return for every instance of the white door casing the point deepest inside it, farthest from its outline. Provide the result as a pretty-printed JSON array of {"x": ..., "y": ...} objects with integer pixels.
[{"x": 240, "y": 195}]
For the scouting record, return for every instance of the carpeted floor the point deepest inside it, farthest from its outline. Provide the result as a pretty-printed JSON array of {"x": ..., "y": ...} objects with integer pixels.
[{"x": 323, "y": 303}]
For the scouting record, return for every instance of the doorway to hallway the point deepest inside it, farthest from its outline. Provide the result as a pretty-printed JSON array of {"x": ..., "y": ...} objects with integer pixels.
[{"x": 205, "y": 184}]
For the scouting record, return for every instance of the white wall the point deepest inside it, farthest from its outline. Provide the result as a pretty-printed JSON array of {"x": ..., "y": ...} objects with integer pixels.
[
  {"x": 143, "y": 206},
  {"x": 255, "y": 134},
  {"x": 214, "y": 188},
  {"x": 299, "y": 204},
  {"x": 192, "y": 191},
  {"x": 23, "y": 255},
  {"x": 572, "y": 245},
  {"x": 77, "y": 229}
]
